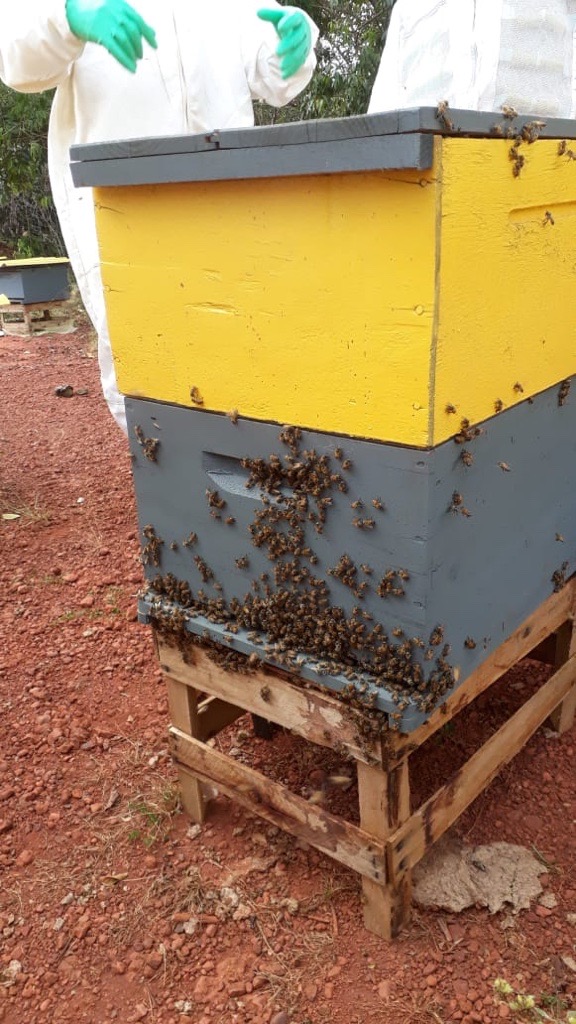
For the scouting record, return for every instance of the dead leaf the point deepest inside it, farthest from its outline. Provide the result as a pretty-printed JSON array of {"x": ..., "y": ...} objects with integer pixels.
[
  {"x": 114, "y": 879},
  {"x": 112, "y": 799},
  {"x": 10, "y": 515}
]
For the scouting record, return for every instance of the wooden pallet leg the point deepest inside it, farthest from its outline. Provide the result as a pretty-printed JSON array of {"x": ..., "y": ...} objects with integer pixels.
[
  {"x": 384, "y": 805},
  {"x": 27, "y": 322},
  {"x": 183, "y": 702},
  {"x": 562, "y": 718}
]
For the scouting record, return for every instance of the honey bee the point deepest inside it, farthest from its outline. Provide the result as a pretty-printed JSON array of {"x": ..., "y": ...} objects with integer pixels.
[
  {"x": 509, "y": 112},
  {"x": 347, "y": 464},
  {"x": 467, "y": 457},
  {"x": 470, "y": 643},
  {"x": 498, "y": 405},
  {"x": 230, "y": 521},
  {"x": 562, "y": 147},
  {"x": 379, "y": 504},
  {"x": 450, "y": 409},
  {"x": 518, "y": 388},
  {"x": 233, "y": 415},
  {"x": 563, "y": 392},
  {"x": 442, "y": 115},
  {"x": 504, "y": 466},
  {"x": 357, "y": 504},
  {"x": 548, "y": 219},
  {"x": 196, "y": 397}
]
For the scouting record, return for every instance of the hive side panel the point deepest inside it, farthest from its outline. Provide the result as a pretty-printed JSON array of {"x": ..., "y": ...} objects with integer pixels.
[
  {"x": 305, "y": 300},
  {"x": 503, "y": 523},
  {"x": 507, "y": 301},
  {"x": 360, "y": 560}
]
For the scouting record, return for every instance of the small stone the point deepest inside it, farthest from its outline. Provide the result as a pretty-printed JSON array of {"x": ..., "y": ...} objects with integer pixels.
[
  {"x": 280, "y": 1018},
  {"x": 504, "y": 1010},
  {"x": 571, "y": 918},
  {"x": 87, "y": 601},
  {"x": 431, "y": 981},
  {"x": 193, "y": 832},
  {"x": 384, "y": 990},
  {"x": 237, "y": 990},
  {"x": 311, "y": 991},
  {"x": 67, "y": 899},
  {"x": 24, "y": 858},
  {"x": 329, "y": 990},
  {"x": 549, "y": 900},
  {"x": 155, "y": 960},
  {"x": 543, "y": 911},
  {"x": 211, "y": 930}
]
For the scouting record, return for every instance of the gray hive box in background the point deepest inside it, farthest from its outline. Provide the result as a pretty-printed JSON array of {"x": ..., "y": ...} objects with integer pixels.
[{"x": 36, "y": 280}]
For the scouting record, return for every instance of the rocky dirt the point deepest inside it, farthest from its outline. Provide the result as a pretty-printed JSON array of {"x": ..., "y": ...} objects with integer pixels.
[{"x": 112, "y": 907}]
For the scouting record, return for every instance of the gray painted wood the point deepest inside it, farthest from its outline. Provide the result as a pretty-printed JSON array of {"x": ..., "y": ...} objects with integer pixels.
[
  {"x": 396, "y": 122},
  {"x": 478, "y": 576},
  {"x": 393, "y": 152},
  {"x": 35, "y": 284},
  {"x": 306, "y": 147}
]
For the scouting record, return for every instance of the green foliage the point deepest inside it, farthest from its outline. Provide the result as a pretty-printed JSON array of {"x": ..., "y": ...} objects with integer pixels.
[
  {"x": 352, "y": 36},
  {"x": 28, "y": 221}
]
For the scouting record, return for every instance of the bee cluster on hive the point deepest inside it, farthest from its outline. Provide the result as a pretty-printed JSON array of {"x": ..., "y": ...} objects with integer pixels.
[{"x": 290, "y": 613}]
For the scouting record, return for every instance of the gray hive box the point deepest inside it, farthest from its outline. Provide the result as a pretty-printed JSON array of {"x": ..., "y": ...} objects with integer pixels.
[{"x": 35, "y": 280}]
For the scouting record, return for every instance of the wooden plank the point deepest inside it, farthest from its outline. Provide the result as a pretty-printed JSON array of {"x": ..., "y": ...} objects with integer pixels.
[
  {"x": 547, "y": 618},
  {"x": 319, "y": 718},
  {"x": 385, "y": 804},
  {"x": 412, "y": 840},
  {"x": 338, "y": 838},
  {"x": 183, "y": 703},
  {"x": 562, "y": 718},
  {"x": 214, "y": 715}
]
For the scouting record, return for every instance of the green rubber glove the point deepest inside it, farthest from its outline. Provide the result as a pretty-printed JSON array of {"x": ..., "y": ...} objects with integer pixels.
[
  {"x": 112, "y": 23},
  {"x": 295, "y": 35}
]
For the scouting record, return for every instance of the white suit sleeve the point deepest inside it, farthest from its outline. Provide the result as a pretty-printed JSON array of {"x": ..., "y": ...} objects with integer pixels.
[
  {"x": 259, "y": 40},
  {"x": 387, "y": 88},
  {"x": 36, "y": 44}
]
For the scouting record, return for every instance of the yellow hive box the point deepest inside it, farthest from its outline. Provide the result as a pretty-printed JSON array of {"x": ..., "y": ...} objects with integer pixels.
[{"x": 423, "y": 269}]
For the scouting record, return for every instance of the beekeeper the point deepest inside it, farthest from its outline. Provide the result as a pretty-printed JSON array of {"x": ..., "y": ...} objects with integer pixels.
[
  {"x": 168, "y": 68},
  {"x": 478, "y": 55}
]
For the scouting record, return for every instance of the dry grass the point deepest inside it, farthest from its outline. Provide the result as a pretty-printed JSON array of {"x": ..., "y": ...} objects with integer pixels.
[{"x": 28, "y": 510}]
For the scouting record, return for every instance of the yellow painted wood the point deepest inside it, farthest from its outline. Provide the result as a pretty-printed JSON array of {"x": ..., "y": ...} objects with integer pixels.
[
  {"x": 303, "y": 300},
  {"x": 360, "y": 304},
  {"x": 37, "y": 261},
  {"x": 507, "y": 295}
]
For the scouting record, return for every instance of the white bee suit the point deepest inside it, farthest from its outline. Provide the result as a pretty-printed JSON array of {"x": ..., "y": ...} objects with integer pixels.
[
  {"x": 214, "y": 58},
  {"x": 478, "y": 55}
]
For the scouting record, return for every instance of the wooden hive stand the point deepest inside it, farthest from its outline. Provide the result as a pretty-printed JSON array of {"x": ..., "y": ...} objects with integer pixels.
[
  {"x": 25, "y": 324},
  {"x": 391, "y": 838}
]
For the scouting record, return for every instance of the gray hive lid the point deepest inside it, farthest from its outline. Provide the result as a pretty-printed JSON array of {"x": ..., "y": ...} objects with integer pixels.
[{"x": 391, "y": 141}]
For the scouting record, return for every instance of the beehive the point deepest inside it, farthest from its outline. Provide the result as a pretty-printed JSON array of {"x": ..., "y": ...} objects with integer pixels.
[
  {"x": 347, "y": 350},
  {"x": 36, "y": 280}
]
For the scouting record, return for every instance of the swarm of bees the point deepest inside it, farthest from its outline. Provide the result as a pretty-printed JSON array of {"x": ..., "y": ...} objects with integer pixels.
[
  {"x": 151, "y": 551},
  {"x": 149, "y": 445},
  {"x": 288, "y": 612}
]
